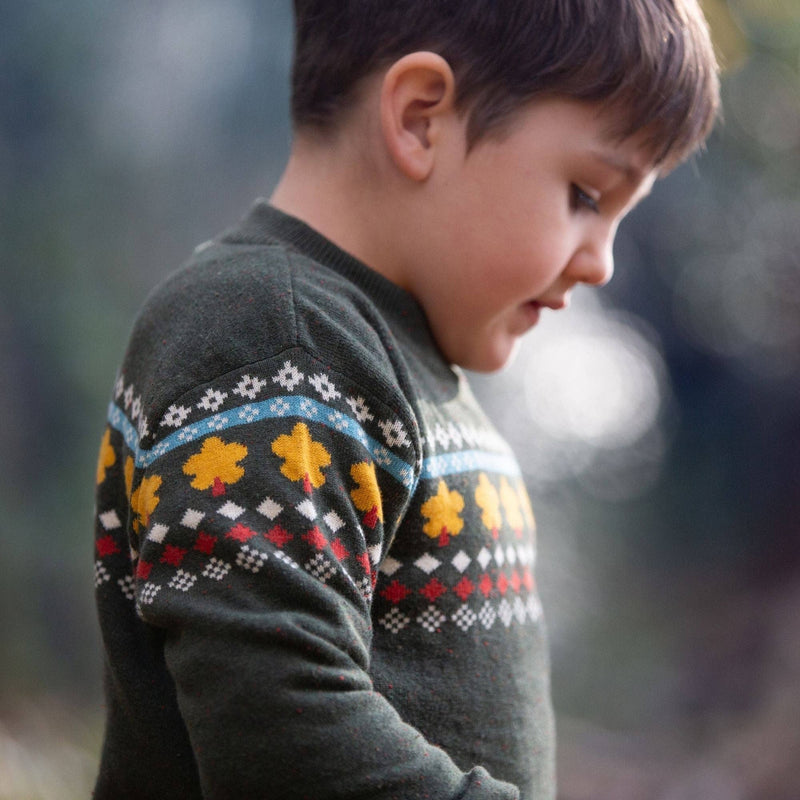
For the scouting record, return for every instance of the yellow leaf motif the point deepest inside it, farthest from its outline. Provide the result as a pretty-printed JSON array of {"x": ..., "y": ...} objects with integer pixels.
[
  {"x": 304, "y": 458},
  {"x": 107, "y": 457},
  {"x": 489, "y": 502},
  {"x": 525, "y": 505},
  {"x": 129, "y": 469},
  {"x": 216, "y": 465},
  {"x": 367, "y": 497},
  {"x": 144, "y": 501},
  {"x": 510, "y": 500},
  {"x": 442, "y": 512}
]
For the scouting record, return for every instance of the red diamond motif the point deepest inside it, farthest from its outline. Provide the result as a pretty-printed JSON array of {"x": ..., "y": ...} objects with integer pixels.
[
  {"x": 485, "y": 585},
  {"x": 527, "y": 580},
  {"x": 173, "y": 555},
  {"x": 515, "y": 581},
  {"x": 395, "y": 592},
  {"x": 106, "y": 546},
  {"x": 433, "y": 590},
  {"x": 366, "y": 564},
  {"x": 143, "y": 570},
  {"x": 502, "y": 583},
  {"x": 339, "y": 550},
  {"x": 371, "y": 518},
  {"x": 205, "y": 543},
  {"x": 464, "y": 588},
  {"x": 278, "y": 535},
  {"x": 241, "y": 533},
  {"x": 315, "y": 538}
]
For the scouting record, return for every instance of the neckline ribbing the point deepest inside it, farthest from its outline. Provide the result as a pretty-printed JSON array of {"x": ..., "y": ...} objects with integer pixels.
[{"x": 265, "y": 224}]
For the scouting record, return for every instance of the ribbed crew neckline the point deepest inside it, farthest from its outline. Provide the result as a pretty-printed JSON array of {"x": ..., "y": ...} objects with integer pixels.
[{"x": 265, "y": 224}]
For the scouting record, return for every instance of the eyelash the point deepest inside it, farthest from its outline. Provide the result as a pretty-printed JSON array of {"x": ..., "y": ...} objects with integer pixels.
[{"x": 582, "y": 200}]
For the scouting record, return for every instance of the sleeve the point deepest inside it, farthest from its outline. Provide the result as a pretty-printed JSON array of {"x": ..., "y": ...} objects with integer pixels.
[{"x": 259, "y": 519}]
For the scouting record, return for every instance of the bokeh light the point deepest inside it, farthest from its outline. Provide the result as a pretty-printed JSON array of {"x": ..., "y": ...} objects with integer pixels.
[
  {"x": 744, "y": 303},
  {"x": 164, "y": 71},
  {"x": 590, "y": 393}
]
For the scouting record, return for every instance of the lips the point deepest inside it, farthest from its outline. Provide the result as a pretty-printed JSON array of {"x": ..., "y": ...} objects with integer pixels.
[
  {"x": 531, "y": 309},
  {"x": 556, "y": 304}
]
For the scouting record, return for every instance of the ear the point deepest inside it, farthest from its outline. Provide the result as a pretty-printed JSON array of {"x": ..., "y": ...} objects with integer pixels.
[{"x": 417, "y": 92}]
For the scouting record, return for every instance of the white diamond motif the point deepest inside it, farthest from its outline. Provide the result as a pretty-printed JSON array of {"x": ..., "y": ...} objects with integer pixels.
[
  {"x": 375, "y": 553},
  {"x": 431, "y": 619},
  {"x": 427, "y": 563},
  {"x": 484, "y": 557},
  {"x": 461, "y": 561},
  {"x": 519, "y": 610},
  {"x": 333, "y": 521},
  {"x": 157, "y": 533},
  {"x": 249, "y": 387},
  {"x": 390, "y": 566},
  {"x": 101, "y": 574},
  {"x": 250, "y": 559},
  {"x": 323, "y": 384},
  {"x": 465, "y": 617},
  {"x": 109, "y": 520},
  {"x": 212, "y": 400},
  {"x": 269, "y": 508},
  {"x": 216, "y": 569},
  {"x": 281, "y": 556},
  {"x": 534, "y": 607},
  {"x": 289, "y": 376},
  {"x": 126, "y": 584},
  {"x": 182, "y": 581},
  {"x": 231, "y": 510},
  {"x": 393, "y": 433},
  {"x": 487, "y": 615},
  {"x": 395, "y": 620},
  {"x": 360, "y": 408},
  {"x": 306, "y": 508},
  {"x": 191, "y": 518}
]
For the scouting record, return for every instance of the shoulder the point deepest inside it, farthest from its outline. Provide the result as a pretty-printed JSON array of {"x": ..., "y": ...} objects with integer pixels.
[{"x": 234, "y": 306}]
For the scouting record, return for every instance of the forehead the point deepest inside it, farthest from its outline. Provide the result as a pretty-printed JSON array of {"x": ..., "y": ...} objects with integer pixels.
[{"x": 569, "y": 126}]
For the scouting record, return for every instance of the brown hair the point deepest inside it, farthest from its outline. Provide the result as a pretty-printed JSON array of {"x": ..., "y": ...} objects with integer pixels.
[{"x": 650, "y": 60}]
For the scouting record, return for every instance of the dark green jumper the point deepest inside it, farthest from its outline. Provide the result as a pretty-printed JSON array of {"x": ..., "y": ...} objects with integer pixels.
[{"x": 314, "y": 555}]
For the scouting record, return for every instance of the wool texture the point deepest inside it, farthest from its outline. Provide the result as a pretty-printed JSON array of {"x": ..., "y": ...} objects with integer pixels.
[{"x": 314, "y": 554}]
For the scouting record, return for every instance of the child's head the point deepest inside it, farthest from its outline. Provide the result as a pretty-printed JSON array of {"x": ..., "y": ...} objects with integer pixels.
[
  {"x": 651, "y": 60},
  {"x": 481, "y": 153}
]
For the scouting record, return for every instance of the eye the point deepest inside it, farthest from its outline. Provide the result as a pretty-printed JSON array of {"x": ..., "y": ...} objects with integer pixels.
[{"x": 579, "y": 199}]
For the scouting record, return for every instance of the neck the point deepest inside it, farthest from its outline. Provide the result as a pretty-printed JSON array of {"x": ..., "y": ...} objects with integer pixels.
[{"x": 331, "y": 189}]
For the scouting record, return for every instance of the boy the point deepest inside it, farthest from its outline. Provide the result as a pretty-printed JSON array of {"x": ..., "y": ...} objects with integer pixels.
[{"x": 314, "y": 555}]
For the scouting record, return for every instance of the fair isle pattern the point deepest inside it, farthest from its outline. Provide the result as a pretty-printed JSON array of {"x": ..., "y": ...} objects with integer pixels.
[
  {"x": 457, "y": 579},
  {"x": 126, "y": 415},
  {"x": 299, "y": 407},
  {"x": 455, "y": 595},
  {"x": 460, "y": 587},
  {"x": 260, "y": 535}
]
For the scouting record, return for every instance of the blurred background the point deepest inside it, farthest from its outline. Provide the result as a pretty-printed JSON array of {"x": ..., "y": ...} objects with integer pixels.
[{"x": 658, "y": 422}]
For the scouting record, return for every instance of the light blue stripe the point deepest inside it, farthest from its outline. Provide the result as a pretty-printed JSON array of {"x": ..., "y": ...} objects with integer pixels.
[
  {"x": 274, "y": 408},
  {"x": 469, "y": 461},
  {"x": 438, "y": 466}
]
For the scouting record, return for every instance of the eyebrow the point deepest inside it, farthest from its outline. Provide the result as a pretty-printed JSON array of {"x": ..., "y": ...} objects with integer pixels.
[{"x": 633, "y": 175}]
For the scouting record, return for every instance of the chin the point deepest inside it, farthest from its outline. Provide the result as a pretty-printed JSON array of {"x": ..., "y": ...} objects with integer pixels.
[{"x": 492, "y": 359}]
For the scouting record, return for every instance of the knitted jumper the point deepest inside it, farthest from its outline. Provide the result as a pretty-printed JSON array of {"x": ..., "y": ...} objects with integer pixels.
[{"x": 314, "y": 555}]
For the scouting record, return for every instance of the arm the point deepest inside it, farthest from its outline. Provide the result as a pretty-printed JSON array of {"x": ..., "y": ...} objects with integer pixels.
[{"x": 259, "y": 535}]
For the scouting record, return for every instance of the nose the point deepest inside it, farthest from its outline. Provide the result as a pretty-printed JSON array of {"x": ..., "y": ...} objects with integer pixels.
[{"x": 593, "y": 263}]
